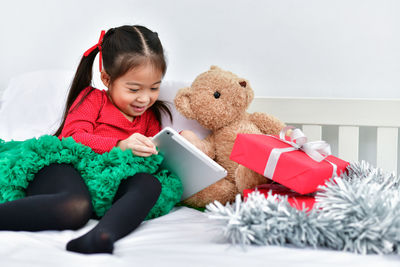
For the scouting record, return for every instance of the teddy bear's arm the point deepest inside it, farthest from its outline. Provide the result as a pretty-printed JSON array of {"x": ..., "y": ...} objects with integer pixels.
[
  {"x": 206, "y": 145},
  {"x": 267, "y": 124},
  {"x": 209, "y": 146}
]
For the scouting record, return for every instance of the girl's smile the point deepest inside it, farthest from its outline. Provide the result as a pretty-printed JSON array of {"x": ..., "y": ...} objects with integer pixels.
[{"x": 135, "y": 91}]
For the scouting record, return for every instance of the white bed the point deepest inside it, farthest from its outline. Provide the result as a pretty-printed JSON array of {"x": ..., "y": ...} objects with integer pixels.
[{"x": 31, "y": 106}]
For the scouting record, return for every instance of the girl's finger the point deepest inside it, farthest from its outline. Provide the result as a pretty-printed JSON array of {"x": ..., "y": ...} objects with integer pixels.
[
  {"x": 143, "y": 149},
  {"x": 140, "y": 154},
  {"x": 146, "y": 141}
]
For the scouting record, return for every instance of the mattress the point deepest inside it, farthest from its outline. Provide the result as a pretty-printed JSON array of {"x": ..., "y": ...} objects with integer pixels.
[{"x": 184, "y": 237}]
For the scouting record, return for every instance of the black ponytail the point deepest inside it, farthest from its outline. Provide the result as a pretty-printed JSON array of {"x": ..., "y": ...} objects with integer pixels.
[{"x": 82, "y": 79}]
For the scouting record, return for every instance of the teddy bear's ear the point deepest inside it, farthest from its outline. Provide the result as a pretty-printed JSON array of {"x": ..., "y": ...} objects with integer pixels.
[
  {"x": 213, "y": 67},
  {"x": 248, "y": 91},
  {"x": 182, "y": 102}
]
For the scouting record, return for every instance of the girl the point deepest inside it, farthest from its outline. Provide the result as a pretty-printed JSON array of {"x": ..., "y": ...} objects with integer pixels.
[{"x": 124, "y": 116}]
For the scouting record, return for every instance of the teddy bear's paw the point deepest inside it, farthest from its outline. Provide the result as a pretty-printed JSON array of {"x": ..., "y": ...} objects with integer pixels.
[
  {"x": 193, "y": 139},
  {"x": 247, "y": 179},
  {"x": 222, "y": 191}
]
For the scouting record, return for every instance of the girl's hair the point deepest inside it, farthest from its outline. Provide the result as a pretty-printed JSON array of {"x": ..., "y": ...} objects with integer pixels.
[{"x": 123, "y": 48}]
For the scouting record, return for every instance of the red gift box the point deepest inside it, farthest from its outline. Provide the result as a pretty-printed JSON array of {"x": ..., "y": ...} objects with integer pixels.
[
  {"x": 293, "y": 169},
  {"x": 296, "y": 200}
]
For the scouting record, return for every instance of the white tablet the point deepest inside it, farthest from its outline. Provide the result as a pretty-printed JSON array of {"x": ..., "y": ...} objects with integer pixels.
[{"x": 195, "y": 169}]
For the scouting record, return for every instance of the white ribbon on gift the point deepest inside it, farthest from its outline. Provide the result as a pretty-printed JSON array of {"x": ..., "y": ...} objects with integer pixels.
[{"x": 317, "y": 150}]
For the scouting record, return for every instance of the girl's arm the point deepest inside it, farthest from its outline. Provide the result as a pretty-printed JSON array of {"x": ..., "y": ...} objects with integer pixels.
[{"x": 80, "y": 123}]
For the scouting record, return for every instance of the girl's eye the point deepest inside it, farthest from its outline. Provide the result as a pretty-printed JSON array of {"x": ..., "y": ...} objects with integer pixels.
[
  {"x": 134, "y": 90},
  {"x": 154, "y": 89}
]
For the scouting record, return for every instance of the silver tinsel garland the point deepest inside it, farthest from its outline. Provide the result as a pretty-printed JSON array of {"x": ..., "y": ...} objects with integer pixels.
[{"x": 357, "y": 212}]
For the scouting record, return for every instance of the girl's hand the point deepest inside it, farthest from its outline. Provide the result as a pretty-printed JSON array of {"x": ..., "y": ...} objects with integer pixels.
[{"x": 139, "y": 144}]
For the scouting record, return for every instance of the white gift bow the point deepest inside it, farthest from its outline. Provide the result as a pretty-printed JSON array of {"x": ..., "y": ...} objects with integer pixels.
[{"x": 317, "y": 150}]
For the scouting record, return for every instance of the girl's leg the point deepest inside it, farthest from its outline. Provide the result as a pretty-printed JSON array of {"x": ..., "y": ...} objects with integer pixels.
[
  {"x": 56, "y": 199},
  {"x": 134, "y": 199}
]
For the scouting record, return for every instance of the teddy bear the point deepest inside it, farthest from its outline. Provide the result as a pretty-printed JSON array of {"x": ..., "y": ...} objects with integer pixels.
[{"x": 218, "y": 99}]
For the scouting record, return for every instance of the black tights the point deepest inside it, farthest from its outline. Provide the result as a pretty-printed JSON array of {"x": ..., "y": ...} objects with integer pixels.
[{"x": 58, "y": 199}]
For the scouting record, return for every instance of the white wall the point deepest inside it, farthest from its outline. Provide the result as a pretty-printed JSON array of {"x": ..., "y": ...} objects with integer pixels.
[{"x": 337, "y": 48}]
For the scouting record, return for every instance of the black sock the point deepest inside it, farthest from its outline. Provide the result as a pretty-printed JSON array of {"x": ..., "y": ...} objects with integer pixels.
[
  {"x": 95, "y": 241},
  {"x": 133, "y": 201}
]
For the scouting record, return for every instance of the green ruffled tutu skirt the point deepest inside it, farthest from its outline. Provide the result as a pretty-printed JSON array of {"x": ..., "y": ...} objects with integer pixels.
[{"x": 102, "y": 173}]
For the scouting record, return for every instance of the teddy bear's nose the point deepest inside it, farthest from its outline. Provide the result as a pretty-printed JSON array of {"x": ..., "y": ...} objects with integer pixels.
[{"x": 217, "y": 94}]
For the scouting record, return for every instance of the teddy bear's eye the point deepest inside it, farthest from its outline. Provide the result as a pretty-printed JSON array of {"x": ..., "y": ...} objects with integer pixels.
[{"x": 217, "y": 94}]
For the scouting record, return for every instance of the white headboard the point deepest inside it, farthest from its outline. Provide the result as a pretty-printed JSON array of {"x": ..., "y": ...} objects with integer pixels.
[
  {"x": 33, "y": 102},
  {"x": 348, "y": 115}
]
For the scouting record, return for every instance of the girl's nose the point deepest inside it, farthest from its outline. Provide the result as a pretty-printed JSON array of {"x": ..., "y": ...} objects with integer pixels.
[{"x": 143, "y": 98}]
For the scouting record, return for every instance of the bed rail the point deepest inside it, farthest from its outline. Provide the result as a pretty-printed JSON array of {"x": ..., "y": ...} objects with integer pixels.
[{"x": 348, "y": 116}]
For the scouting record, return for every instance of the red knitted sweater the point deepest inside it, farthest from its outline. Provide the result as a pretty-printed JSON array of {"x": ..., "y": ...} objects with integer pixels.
[{"x": 97, "y": 123}]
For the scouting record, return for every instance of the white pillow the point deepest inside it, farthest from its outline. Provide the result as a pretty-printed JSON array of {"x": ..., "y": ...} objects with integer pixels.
[{"x": 33, "y": 103}]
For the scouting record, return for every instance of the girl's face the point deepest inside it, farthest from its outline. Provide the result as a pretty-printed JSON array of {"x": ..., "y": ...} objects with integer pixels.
[{"x": 135, "y": 91}]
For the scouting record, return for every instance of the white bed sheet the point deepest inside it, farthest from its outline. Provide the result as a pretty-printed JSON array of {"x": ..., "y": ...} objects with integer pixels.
[{"x": 184, "y": 237}]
